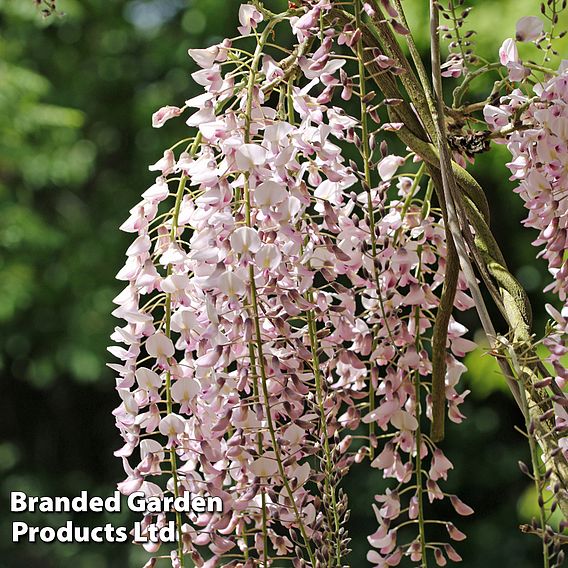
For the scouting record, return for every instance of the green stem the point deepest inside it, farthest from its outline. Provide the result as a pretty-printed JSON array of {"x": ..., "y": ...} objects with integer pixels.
[
  {"x": 538, "y": 481},
  {"x": 256, "y": 396},
  {"x": 445, "y": 172},
  {"x": 444, "y": 312},
  {"x": 366, "y": 154},
  {"x": 418, "y": 412},
  {"x": 314, "y": 345},
  {"x": 254, "y": 296},
  {"x": 389, "y": 43},
  {"x": 457, "y": 30},
  {"x": 168, "y": 317},
  {"x": 422, "y": 74},
  {"x": 330, "y": 490},
  {"x": 460, "y": 91},
  {"x": 409, "y": 198},
  {"x": 419, "y": 482},
  {"x": 169, "y": 403}
]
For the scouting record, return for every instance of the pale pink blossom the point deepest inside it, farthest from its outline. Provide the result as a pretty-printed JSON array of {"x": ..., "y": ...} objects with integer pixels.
[
  {"x": 248, "y": 156},
  {"x": 160, "y": 117},
  {"x": 440, "y": 466},
  {"x": 455, "y": 533},
  {"x": 265, "y": 466},
  {"x": 171, "y": 425},
  {"x": 269, "y": 193},
  {"x": 165, "y": 164},
  {"x": 388, "y": 166},
  {"x": 460, "y": 506},
  {"x": 147, "y": 379},
  {"x": 508, "y": 52},
  {"x": 529, "y": 28},
  {"x": 206, "y": 57},
  {"x": 245, "y": 240},
  {"x": 160, "y": 346},
  {"x": 249, "y": 17}
]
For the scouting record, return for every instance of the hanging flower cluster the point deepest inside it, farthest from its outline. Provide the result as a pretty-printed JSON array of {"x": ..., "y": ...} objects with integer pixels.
[
  {"x": 538, "y": 148},
  {"x": 532, "y": 120},
  {"x": 538, "y": 130},
  {"x": 279, "y": 307}
]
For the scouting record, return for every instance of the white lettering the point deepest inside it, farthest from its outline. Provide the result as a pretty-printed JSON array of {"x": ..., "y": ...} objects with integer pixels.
[
  {"x": 198, "y": 504},
  {"x": 137, "y": 502},
  {"x": 139, "y": 536},
  {"x": 112, "y": 504},
  {"x": 18, "y": 501},
  {"x": 18, "y": 529}
]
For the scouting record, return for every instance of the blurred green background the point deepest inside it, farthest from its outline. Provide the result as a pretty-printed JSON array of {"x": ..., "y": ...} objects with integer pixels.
[{"x": 76, "y": 96}]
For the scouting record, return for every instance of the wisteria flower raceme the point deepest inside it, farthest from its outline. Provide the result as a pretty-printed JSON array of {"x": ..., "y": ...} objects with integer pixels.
[
  {"x": 538, "y": 155},
  {"x": 280, "y": 302}
]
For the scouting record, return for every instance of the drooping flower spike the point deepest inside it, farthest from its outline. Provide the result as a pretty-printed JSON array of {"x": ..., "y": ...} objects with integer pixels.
[{"x": 282, "y": 291}]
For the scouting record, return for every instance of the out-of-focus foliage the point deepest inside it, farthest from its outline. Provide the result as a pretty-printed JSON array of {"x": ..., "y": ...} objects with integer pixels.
[{"x": 76, "y": 95}]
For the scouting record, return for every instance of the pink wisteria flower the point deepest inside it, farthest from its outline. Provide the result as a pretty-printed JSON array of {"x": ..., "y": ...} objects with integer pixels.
[
  {"x": 249, "y": 17},
  {"x": 279, "y": 304},
  {"x": 509, "y": 56},
  {"x": 529, "y": 28},
  {"x": 508, "y": 52},
  {"x": 538, "y": 158},
  {"x": 160, "y": 117}
]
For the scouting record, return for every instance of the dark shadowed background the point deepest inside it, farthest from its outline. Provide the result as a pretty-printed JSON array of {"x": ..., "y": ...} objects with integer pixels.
[{"x": 77, "y": 92}]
